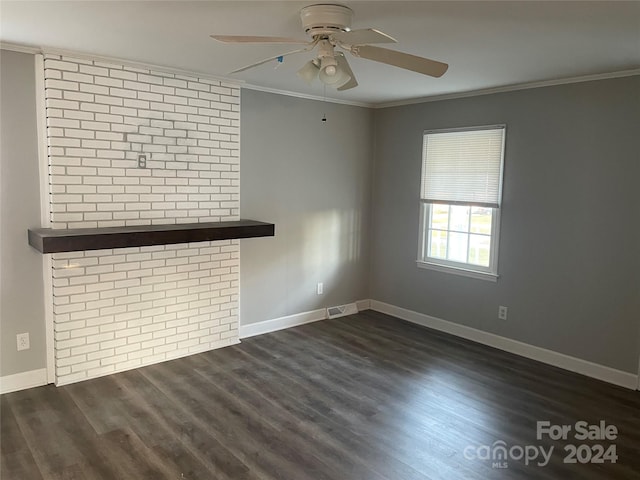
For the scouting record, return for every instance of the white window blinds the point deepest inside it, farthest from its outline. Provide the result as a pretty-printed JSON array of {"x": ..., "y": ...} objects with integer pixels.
[{"x": 463, "y": 166}]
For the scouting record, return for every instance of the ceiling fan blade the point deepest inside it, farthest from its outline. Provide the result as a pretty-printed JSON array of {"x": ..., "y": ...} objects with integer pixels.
[
  {"x": 407, "y": 61},
  {"x": 275, "y": 57},
  {"x": 255, "y": 39},
  {"x": 344, "y": 65},
  {"x": 363, "y": 36}
]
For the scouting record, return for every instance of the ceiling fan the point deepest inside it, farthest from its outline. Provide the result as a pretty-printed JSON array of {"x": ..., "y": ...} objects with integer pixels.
[{"x": 328, "y": 25}]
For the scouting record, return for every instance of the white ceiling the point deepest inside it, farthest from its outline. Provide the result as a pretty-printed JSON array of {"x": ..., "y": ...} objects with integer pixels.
[{"x": 487, "y": 44}]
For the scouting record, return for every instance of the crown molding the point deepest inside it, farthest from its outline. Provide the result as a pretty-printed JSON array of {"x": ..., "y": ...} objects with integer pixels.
[
  {"x": 119, "y": 61},
  {"x": 12, "y": 47},
  {"x": 511, "y": 88},
  {"x": 306, "y": 96},
  {"x": 242, "y": 84}
]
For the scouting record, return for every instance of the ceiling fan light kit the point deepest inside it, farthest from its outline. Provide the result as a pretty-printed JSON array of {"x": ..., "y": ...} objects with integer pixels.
[
  {"x": 329, "y": 72},
  {"x": 329, "y": 26}
]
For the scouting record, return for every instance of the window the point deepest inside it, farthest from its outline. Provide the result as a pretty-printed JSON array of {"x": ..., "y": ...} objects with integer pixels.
[{"x": 460, "y": 199}]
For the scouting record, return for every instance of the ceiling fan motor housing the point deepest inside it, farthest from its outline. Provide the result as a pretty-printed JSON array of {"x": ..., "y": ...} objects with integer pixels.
[{"x": 325, "y": 19}]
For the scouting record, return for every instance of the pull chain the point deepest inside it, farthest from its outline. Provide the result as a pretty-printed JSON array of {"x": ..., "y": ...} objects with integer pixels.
[{"x": 324, "y": 97}]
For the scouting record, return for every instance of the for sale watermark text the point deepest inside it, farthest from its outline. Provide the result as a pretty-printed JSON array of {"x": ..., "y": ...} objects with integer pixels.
[
  {"x": 500, "y": 453},
  {"x": 581, "y": 431}
]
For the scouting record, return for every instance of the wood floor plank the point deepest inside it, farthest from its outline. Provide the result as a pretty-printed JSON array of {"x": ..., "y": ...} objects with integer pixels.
[
  {"x": 313, "y": 407},
  {"x": 296, "y": 430},
  {"x": 56, "y": 432},
  {"x": 261, "y": 445},
  {"x": 164, "y": 426},
  {"x": 17, "y": 459},
  {"x": 366, "y": 397},
  {"x": 568, "y": 407},
  {"x": 395, "y": 437}
]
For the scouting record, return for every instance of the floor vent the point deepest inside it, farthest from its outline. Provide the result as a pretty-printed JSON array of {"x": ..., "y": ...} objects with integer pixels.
[{"x": 342, "y": 310}]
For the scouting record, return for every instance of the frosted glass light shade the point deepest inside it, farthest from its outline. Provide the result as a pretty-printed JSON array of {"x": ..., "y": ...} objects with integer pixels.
[
  {"x": 340, "y": 77},
  {"x": 309, "y": 72}
]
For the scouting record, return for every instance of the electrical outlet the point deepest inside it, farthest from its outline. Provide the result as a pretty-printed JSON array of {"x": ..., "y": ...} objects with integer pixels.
[
  {"x": 502, "y": 312},
  {"x": 142, "y": 161},
  {"x": 320, "y": 288},
  {"x": 23, "y": 341}
]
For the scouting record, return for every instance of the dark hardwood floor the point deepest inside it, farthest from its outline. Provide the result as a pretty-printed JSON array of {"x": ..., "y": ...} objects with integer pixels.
[{"x": 365, "y": 397}]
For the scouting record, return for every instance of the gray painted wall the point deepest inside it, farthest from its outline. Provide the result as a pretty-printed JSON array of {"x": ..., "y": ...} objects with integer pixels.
[
  {"x": 312, "y": 179},
  {"x": 571, "y": 176},
  {"x": 568, "y": 263},
  {"x": 21, "y": 297}
]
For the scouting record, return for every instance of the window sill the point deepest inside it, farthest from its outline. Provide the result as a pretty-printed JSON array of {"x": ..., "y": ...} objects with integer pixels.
[{"x": 458, "y": 271}]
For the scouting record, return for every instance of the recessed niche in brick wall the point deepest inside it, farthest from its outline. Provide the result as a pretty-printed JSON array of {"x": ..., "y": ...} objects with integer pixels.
[{"x": 124, "y": 308}]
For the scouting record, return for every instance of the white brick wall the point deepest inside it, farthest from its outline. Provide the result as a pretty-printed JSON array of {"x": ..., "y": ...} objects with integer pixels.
[{"x": 124, "y": 308}]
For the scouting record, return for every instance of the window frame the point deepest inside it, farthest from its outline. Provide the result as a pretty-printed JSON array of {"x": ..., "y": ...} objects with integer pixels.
[{"x": 449, "y": 266}]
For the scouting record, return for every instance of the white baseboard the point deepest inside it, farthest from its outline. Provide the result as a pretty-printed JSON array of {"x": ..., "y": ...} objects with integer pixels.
[
  {"x": 21, "y": 381},
  {"x": 363, "y": 305},
  {"x": 289, "y": 321},
  {"x": 281, "y": 323},
  {"x": 573, "y": 364}
]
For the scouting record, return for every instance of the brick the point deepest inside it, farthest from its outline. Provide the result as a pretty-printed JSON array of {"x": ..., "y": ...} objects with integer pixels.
[
  {"x": 60, "y": 122},
  {"x": 90, "y": 88},
  {"x": 221, "y": 90},
  {"x": 176, "y": 117},
  {"x": 140, "y": 353},
  {"x": 50, "y": 73},
  {"x": 113, "y": 343},
  {"x": 110, "y": 82},
  {"x": 58, "y": 65},
  {"x": 174, "y": 99},
  {"x": 64, "y": 142},
  {"x": 93, "y": 70},
  {"x": 153, "y": 343},
  {"x": 163, "y": 107},
  {"x": 87, "y": 125},
  {"x": 100, "y": 371},
  {"x": 77, "y": 77},
  {"x": 150, "y": 79},
  {"x": 130, "y": 85},
  {"x": 113, "y": 359},
  {"x": 173, "y": 82},
  {"x": 61, "y": 84},
  {"x": 102, "y": 353},
  {"x": 199, "y": 86},
  {"x": 74, "y": 377},
  {"x": 73, "y": 360},
  {"x": 129, "y": 364},
  {"x": 164, "y": 348},
  {"x": 119, "y": 92},
  {"x": 101, "y": 337},
  {"x": 123, "y": 74}
]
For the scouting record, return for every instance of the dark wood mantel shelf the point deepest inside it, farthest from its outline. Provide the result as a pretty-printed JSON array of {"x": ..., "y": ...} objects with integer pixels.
[{"x": 52, "y": 240}]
